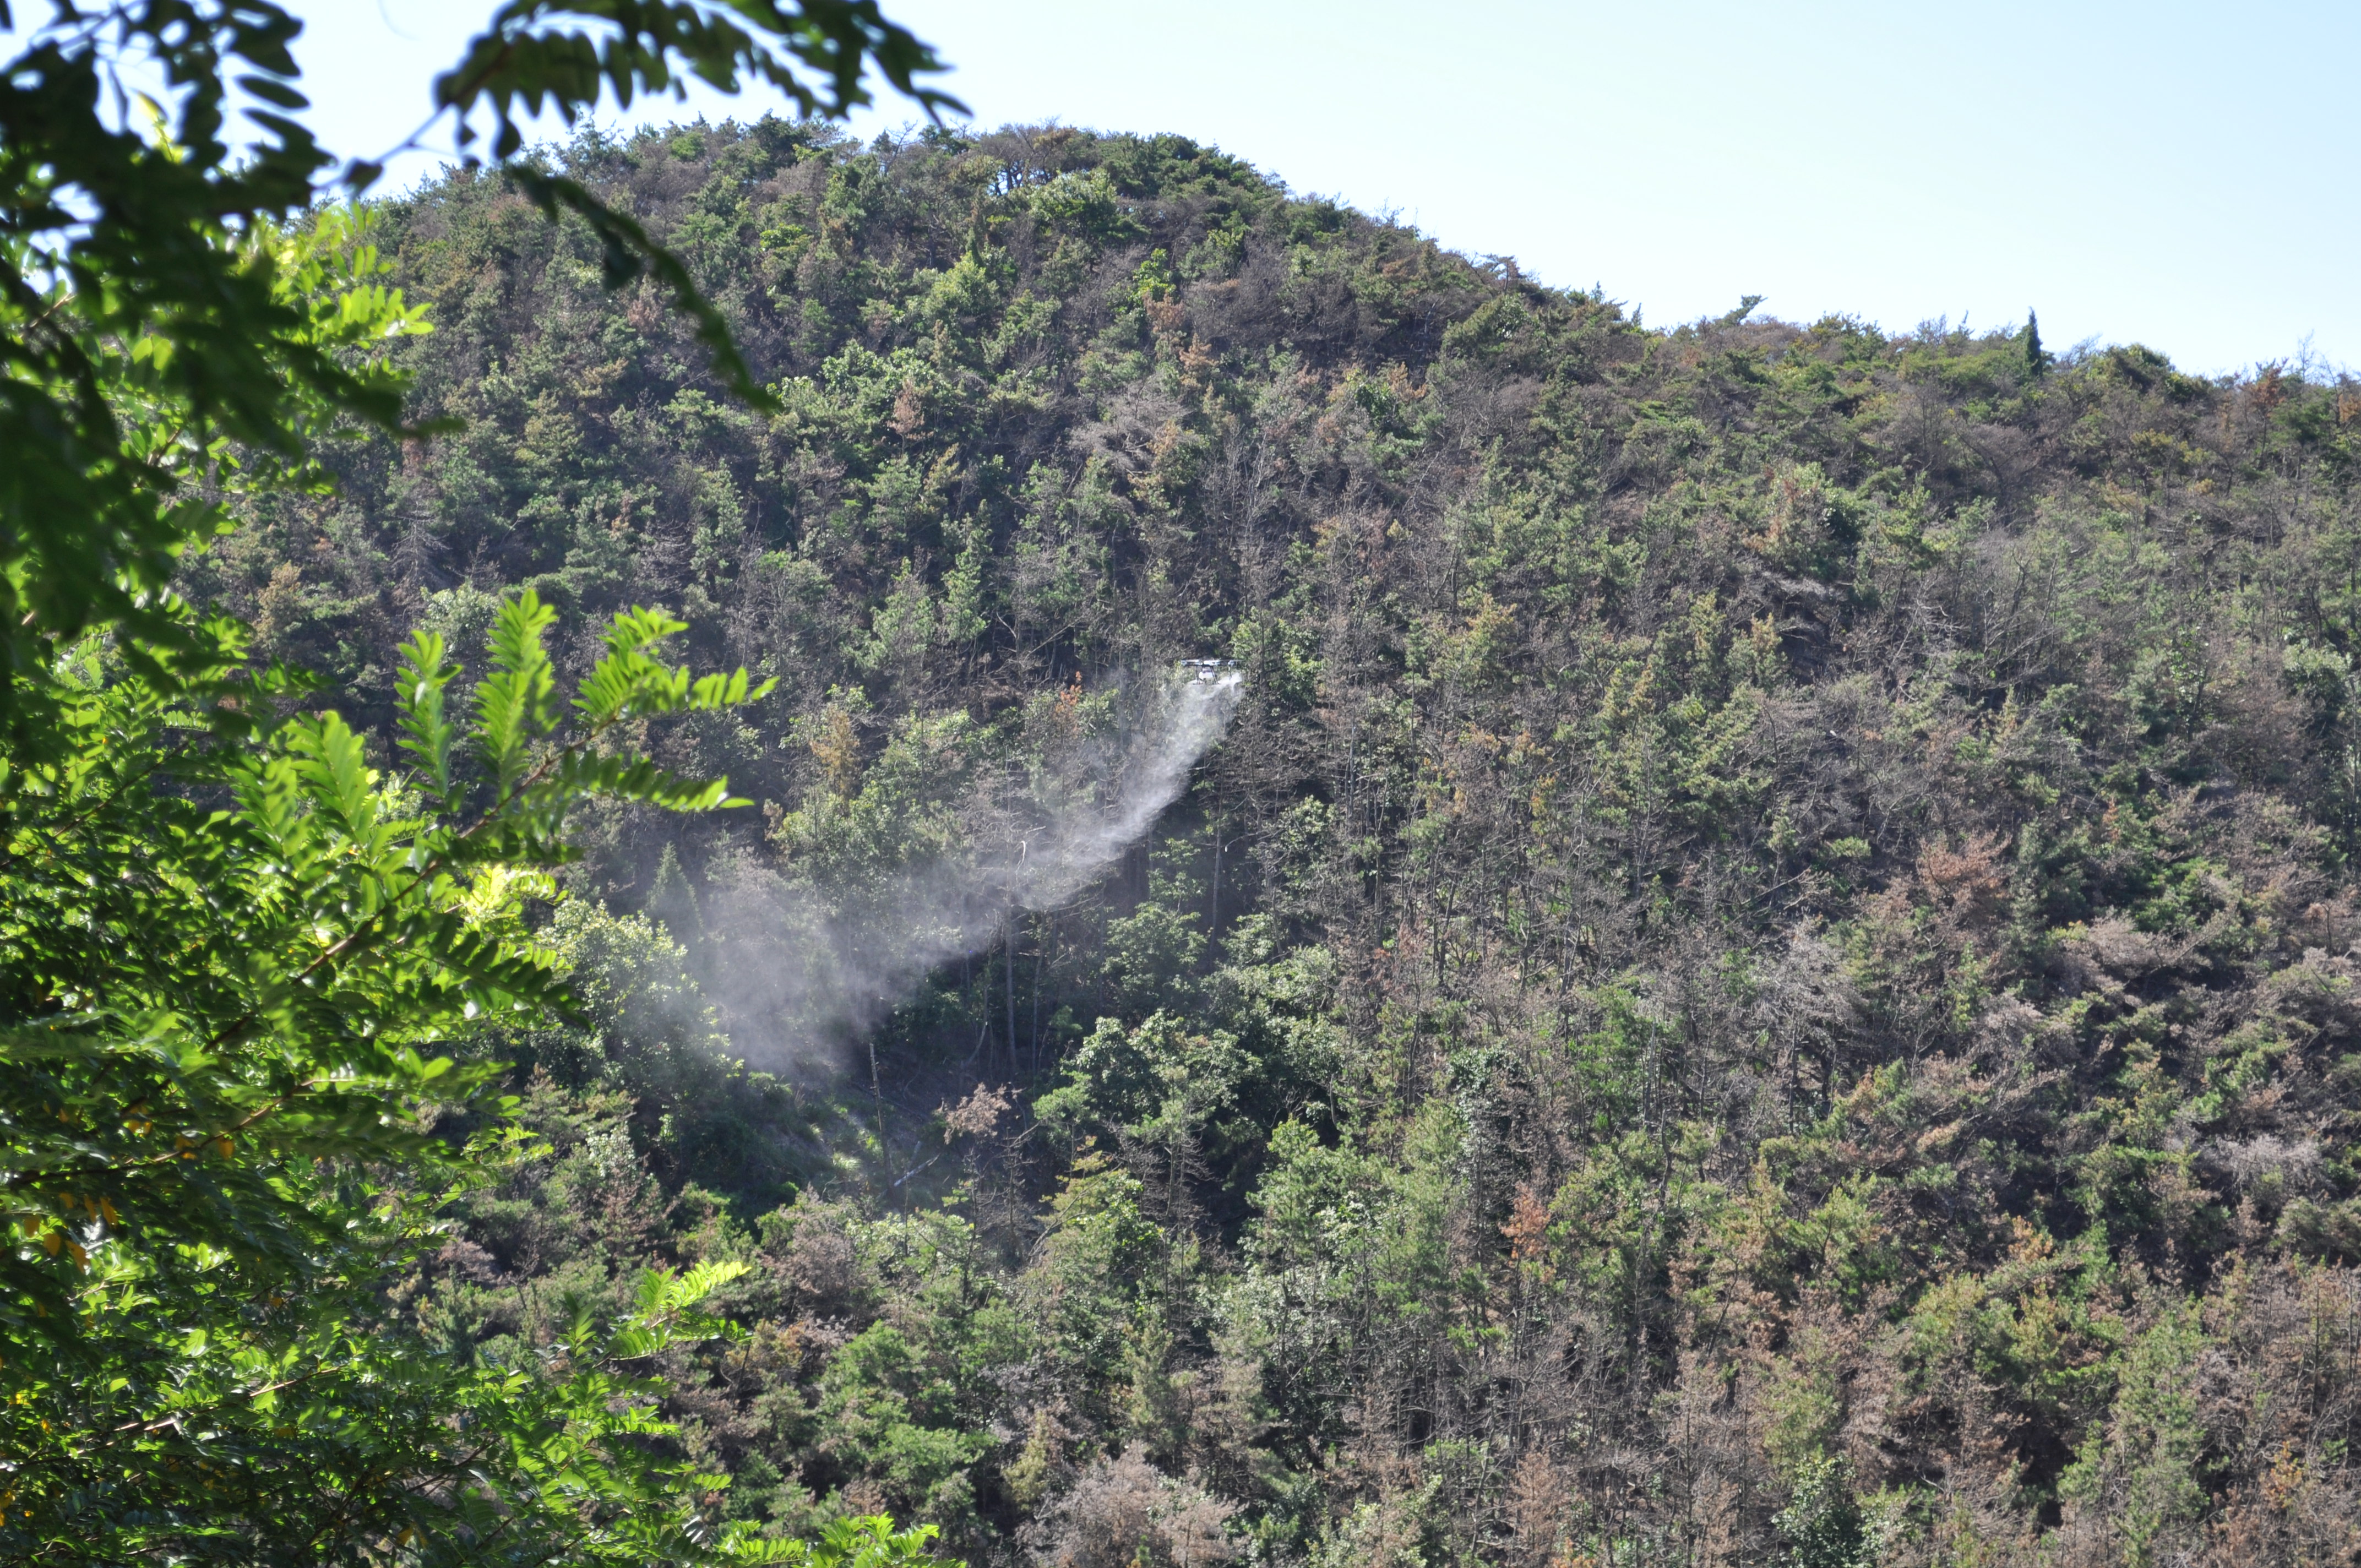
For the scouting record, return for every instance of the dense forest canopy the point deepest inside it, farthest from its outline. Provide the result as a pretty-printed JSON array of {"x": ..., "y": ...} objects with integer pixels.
[
  {"x": 242, "y": 949},
  {"x": 1763, "y": 972},
  {"x": 716, "y": 838}
]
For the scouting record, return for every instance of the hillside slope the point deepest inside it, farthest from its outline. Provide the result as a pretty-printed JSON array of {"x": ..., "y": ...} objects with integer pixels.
[{"x": 1764, "y": 970}]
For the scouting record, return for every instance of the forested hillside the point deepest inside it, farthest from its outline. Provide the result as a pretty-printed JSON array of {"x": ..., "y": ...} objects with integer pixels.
[{"x": 1763, "y": 971}]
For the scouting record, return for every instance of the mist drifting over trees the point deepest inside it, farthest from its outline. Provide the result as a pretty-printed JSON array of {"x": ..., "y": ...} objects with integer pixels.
[{"x": 1763, "y": 970}]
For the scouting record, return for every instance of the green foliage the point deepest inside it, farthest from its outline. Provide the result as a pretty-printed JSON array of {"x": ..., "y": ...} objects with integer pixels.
[
  {"x": 1822, "y": 1525},
  {"x": 522, "y": 59},
  {"x": 156, "y": 319},
  {"x": 245, "y": 961},
  {"x": 298, "y": 1431},
  {"x": 1763, "y": 973},
  {"x": 868, "y": 1542},
  {"x": 1766, "y": 921},
  {"x": 201, "y": 1128}
]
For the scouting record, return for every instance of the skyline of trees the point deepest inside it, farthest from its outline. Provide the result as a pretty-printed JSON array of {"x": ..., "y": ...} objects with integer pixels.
[
  {"x": 618, "y": 946},
  {"x": 1777, "y": 985}
]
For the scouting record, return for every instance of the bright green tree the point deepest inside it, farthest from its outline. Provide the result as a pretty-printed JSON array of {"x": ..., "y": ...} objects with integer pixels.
[{"x": 241, "y": 949}]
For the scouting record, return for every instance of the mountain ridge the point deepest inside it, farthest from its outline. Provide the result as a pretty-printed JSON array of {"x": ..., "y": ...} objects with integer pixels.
[{"x": 1781, "y": 977}]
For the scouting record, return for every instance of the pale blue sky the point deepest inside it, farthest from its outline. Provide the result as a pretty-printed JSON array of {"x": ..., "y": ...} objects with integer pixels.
[{"x": 2179, "y": 175}]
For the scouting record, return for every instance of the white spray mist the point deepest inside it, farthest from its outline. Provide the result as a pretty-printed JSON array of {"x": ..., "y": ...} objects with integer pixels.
[{"x": 795, "y": 980}]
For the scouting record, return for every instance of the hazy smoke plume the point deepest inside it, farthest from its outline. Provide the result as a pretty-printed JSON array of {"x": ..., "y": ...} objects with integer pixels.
[{"x": 796, "y": 976}]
